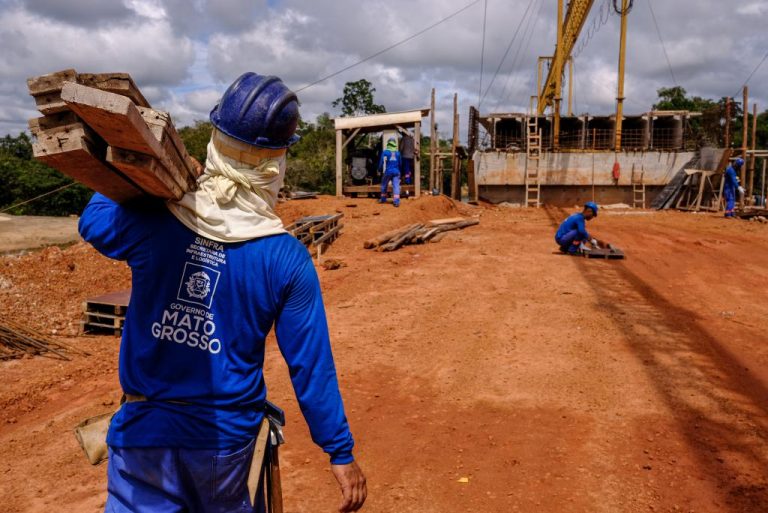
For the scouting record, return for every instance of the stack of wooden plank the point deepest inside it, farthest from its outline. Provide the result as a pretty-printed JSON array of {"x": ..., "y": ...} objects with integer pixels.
[
  {"x": 100, "y": 130},
  {"x": 317, "y": 231},
  {"x": 418, "y": 233}
]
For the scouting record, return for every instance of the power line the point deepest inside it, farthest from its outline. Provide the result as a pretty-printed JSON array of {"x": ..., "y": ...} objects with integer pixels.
[
  {"x": 482, "y": 53},
  {"x": 759, "y": 65},
  {"x": 38, "y": 197},
  {"x": 532, "y": 26},
  {"x": 372, "y": 56},
  {"x": 504, "y": 57},
  {"x": 661, "y": 40}
]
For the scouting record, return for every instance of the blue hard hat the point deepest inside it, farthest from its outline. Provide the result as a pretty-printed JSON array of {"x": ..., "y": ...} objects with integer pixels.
[
  {"x": 738, "y": 162},
  {"x": 258, "y": 110},
  {"x": 592, "y": 206}
]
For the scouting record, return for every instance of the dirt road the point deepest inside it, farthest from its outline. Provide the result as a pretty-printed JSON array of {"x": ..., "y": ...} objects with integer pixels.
[
  {"x": 551, "y": 383},
  {"x": 24, "y": 232}
]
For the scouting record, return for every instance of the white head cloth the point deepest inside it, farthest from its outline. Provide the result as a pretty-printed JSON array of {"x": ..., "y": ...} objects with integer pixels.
[{"x": 234, "y": 201}]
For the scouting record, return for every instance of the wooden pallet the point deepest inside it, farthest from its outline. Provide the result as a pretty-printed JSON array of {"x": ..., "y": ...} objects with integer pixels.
[
  {"x": 317, "y": 232},
  {"x": 106, "y": 313}
]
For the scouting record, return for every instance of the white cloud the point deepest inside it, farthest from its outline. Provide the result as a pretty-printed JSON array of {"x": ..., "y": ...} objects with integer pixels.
[{"x": 184, "y": 53}]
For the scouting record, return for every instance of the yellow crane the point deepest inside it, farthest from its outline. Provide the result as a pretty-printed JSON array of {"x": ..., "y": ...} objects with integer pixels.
[{"x": 568, "y": 30}]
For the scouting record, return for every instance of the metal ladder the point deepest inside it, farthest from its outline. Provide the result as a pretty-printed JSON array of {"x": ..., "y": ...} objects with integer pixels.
[
  {"x": 638, "y": 191},
  {"x": 533, "y": 162}
]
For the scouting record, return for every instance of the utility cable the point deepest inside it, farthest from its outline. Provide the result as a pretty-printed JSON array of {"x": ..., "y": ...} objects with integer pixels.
[
  {"x": 38, "y": 197},
  {"x": 661, "y": 40},
  {"x": 532, "y": 26},
  {"x": 504, "y": 57},
  {"x": 395, "y": 45},
  {"x": 759, "y": 65},
  {"x": 482, "y": 53}
]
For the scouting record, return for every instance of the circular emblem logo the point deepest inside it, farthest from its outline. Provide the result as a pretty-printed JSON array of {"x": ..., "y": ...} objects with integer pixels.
[{"x": 199, "y": 285}]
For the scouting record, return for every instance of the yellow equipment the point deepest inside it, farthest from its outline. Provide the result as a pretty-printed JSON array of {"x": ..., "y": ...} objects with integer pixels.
[{"x": 568, "y": 30}]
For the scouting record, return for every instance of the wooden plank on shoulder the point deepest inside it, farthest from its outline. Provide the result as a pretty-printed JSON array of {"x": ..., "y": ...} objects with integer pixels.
[
  {"x": 159, "y": 120},
  {"x": 71, "y": 152},
  {"x": 50, "y": 83},
  {"x": 118, "y": 83},
  {"x": 118, "y": 121},
  {"x": 53, "y": 121},
  {"x": 146, "y": 171}
]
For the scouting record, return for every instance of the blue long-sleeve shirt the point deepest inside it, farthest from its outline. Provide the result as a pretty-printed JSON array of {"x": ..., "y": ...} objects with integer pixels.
[
  {"x": 574, "y": 222},
  {"x": 391, "y": 159},
  {"x": 731, "y": 179},
  {"x": 199, "y": 314}
]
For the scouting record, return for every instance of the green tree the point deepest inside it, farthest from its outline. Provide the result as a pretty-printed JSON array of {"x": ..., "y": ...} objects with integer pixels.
[
  {"x": 311, "y": 161},
  {"x": 196, "y": 139},
  {"x": 357, "y": 99},
  {"x": 675, "y": 98},
  {"x": 24, "y": 178}
]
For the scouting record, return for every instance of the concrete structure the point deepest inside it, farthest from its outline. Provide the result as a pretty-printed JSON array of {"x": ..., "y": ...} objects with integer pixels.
[{"x": 569, "y": 178}]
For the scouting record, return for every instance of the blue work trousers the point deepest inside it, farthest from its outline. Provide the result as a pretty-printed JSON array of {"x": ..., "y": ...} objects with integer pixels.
[
  {"x": 569, "y": 243},
  {"x": 408, "y": 171},
  {"x": 730, "y": 200},
  {"x": 160, "y": 480},
  {"x": 395, "y": 179}
]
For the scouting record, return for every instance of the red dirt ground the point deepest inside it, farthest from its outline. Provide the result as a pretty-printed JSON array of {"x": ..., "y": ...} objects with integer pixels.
[{"x": 553, "y": 384}]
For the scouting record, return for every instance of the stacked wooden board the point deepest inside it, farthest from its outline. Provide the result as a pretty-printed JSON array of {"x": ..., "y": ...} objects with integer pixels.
[
  {"x": 100, "y": 130},
  {"x": 317, "y": 231}
]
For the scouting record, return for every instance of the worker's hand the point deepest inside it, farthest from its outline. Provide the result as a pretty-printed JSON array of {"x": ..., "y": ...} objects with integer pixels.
[{"x": 353, "y": 488}]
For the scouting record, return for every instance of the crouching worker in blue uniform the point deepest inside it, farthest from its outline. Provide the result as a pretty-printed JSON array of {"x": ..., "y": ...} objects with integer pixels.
[
  {"x": 732, "y": 185},
  {"x": 390, "y": 163},
  {"x": 211, "y": 274},
  {"x": 573, "y": 231}
]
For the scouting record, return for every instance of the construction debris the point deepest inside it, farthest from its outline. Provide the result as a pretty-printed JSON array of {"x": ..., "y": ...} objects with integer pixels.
[
  {"x": 418, "y": 233},
  {"x": 100, "y": 130},
  {"x": 17, "y": 341}
]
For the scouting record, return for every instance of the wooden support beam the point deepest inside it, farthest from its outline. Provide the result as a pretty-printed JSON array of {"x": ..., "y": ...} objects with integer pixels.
[
  {"x": 162, "y": 126},
  {"x": 432, "y": 146},
  {"x": 72, "y": 151},
  {"x": 339, "y": 164},
  {"x": 349, "y": 139},
  {"x": 417, "y": 158},
  {"x": 455, "y": 163}
]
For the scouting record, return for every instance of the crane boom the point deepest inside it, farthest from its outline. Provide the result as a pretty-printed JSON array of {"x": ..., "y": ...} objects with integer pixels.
[{"x": 578, "y": 10}]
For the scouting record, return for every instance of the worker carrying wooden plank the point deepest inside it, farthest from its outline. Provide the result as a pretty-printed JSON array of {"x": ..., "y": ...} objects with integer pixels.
[{"x": 212, "y": 273}]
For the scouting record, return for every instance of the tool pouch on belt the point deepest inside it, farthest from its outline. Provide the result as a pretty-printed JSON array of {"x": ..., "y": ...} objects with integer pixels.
[{"x": 91, "y": 434}]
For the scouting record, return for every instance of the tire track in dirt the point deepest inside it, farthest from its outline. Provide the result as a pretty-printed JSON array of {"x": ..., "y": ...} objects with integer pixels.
[{"x": 719, "y": 408}]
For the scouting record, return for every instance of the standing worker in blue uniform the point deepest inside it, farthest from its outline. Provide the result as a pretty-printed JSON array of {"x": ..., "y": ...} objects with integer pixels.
[
  {"x": 732, "y": 185},
  {"x": 390, "y": 163},
  {"x": 211, "y": 274},
  {"x": 573, "y": 231}
]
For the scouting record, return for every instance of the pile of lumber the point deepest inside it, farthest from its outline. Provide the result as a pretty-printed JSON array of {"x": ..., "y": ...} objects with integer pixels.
[
  {"x": 100, "y": 130},
  {"x": 17, "y": 341},
  {"x": 418, "y": 233}
]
